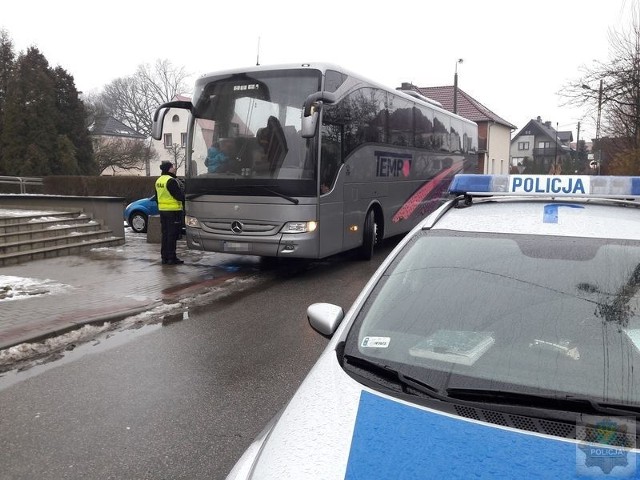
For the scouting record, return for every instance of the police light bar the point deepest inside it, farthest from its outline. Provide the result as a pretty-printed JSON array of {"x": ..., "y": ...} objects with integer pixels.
[{"x": 546, "y": 185}]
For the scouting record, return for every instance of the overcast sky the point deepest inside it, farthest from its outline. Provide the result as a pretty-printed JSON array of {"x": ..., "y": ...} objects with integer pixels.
[{"x": 517, "y": 55}]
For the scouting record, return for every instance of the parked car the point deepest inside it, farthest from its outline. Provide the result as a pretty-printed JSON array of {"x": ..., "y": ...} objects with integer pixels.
[
  {"x": 499, "y": 339},
  {"x": 137, "y": 213}
]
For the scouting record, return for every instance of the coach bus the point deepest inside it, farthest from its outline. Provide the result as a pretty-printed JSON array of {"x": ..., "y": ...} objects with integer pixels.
[{"x": 311, "y": 160}]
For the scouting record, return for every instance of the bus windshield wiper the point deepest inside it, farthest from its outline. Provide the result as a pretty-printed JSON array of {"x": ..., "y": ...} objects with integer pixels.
[
  {"x": 266, "y": 188},
  {"x": 388, "y": 374},
  {"x": 551, "y": 402}
]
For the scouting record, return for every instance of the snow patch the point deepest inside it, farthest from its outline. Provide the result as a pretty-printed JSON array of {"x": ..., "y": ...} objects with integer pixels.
[{"x": 20, "y": 288}]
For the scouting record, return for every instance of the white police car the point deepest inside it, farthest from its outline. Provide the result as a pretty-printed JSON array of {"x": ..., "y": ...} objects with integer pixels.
[{"x": 500, "y": 339}]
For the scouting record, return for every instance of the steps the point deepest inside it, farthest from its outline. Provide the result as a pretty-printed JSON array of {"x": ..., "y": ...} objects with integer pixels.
[{"x": 33, "y": 235}]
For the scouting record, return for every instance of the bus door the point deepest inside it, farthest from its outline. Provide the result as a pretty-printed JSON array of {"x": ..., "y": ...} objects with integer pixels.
[{"x": 331, "y": 201}]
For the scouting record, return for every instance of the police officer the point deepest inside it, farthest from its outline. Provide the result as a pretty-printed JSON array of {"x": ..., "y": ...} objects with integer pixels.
[{"x": 170, "y": 197}]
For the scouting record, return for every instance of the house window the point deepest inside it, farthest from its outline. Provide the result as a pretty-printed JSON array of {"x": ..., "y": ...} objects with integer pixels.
[
  {"x": 544, "y": 144},
  {"x": 183, "y": 139},
  {"x": 168, "y": 140},
  {"x": 175, "y": 118},
  {"x": 523, "y": 145}
]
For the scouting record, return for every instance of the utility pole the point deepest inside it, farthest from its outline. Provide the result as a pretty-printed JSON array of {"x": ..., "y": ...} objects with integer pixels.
[
  {"x": 577, "y": 148},
  {"x": 599, "y": 159},
  {"x": 455, "y": 88},
  {"x": 555, "y": 159}
]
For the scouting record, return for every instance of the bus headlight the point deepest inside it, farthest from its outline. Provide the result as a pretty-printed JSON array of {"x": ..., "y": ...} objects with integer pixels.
[
  {"x": 192, "y": 222},
  {"x": 299, "y": 227}
]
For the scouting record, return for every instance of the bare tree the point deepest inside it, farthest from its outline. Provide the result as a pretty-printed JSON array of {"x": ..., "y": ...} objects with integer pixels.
[
  {"x": 133, "y": 100},
  {"x": 609, "y": 92},
  {"x": 178, "y": 154},
  {"x": 123, "y": 154}
]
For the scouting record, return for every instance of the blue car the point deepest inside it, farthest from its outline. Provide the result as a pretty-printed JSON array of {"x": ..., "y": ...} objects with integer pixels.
[{"x": 137, "y": 213}]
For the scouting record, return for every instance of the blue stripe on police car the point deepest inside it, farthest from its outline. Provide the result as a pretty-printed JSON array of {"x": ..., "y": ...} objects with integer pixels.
[{"x": 394, "y": 440}]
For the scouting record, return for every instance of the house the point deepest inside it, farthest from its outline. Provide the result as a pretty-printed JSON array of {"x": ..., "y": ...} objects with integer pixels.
[
  {"x": 539, "y": 149},
  {"x": 494, "y": 132},
  {"x": 105, "y": 130}
]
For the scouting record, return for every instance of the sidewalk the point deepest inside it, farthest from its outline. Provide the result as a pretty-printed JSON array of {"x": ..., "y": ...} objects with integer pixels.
[{"x": 44, "y": 297}]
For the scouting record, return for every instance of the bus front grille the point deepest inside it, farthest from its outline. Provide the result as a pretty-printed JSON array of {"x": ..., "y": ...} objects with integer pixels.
[{"x": 240, "y": 227}]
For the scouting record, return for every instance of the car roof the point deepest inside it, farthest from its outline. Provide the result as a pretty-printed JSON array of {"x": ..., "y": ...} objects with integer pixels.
[
  {"x": 601, "y": 215},
  {"x": 540, "y": 217}
]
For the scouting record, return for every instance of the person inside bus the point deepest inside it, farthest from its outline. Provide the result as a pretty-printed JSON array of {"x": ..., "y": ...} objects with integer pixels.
[
  {"x": 260, "y": 157},
  {"x": 212, "y": 153},
  {"x": 218, "y": 155}
]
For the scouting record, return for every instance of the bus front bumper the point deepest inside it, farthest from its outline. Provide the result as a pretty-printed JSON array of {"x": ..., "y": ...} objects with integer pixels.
[{"x": 299, "y": 245}]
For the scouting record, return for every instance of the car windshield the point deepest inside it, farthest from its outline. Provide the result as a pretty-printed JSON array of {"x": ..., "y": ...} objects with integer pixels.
[
  {"x": 247, "y": 132},
  {"x": 530, "y": 314}
]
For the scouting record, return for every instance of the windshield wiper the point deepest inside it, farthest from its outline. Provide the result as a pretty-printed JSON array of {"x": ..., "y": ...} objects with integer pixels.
[
  {"x": 389, "y": 374},
  {"x": 295, "y": 201},
  {"x": 552, "y": 402}
]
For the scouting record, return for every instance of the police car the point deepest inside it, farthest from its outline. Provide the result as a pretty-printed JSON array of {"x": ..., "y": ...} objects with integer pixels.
[{"x": 499, "y": 339}]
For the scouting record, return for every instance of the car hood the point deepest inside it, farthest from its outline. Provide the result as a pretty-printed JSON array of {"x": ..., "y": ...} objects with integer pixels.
[{"x": 335, "y": 428}]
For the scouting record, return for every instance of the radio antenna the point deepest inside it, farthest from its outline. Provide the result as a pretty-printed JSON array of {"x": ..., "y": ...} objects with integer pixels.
[{"x": 258, "y": 53}]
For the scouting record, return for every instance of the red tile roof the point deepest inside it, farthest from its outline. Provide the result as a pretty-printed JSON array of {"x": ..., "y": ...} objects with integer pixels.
[{"x": 468, "y": 107}]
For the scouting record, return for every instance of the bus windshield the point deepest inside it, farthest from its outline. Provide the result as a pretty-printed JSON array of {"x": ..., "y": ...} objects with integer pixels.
[{"x": 246, "y": 132}]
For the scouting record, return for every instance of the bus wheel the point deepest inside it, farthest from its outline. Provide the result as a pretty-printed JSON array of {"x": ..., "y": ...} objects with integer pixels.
[{"x": 369, "y": 236}]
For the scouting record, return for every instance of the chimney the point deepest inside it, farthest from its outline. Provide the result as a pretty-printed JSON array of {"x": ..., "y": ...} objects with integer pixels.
[{"x": 547, "y": 124}]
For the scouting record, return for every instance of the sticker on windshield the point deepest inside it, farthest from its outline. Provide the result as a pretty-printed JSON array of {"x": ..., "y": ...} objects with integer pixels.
[{"x": 375, "y": 342}]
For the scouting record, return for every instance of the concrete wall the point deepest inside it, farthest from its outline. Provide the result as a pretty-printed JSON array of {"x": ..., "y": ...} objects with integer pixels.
[{"x": 109, "y": 211}]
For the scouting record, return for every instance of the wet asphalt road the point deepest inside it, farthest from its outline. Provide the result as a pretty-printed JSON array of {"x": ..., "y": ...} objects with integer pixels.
[{"x": 175, "y": 401}]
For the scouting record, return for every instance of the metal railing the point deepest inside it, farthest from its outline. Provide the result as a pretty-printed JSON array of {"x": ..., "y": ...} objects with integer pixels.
[{"x": 22, "y": 181}]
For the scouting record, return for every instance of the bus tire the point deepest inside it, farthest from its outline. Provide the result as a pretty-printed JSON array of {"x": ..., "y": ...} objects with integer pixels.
[{"x": 369, "y": 236}]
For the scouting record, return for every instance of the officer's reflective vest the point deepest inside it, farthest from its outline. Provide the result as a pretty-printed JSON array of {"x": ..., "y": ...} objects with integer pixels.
[{"x": 166, "y": 201}]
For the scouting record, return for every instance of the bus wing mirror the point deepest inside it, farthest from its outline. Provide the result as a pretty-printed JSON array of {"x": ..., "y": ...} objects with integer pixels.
[
  {"x": 161, "y": 112},
  {"x": 312, "y": 106},
  {"x": 309, "y": 123}
]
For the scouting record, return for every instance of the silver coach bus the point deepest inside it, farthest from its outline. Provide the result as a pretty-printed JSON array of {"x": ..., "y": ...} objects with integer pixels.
[{"x": 310, "y": 160}]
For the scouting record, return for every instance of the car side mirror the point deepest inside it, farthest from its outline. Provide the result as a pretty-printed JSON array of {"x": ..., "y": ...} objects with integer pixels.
[{"x": 325, "y": 318}]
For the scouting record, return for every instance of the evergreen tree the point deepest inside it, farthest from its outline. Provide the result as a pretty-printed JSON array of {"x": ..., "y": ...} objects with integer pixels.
[
  {"x": 71, "y": 124},
  {"x": 6, "y": 67},
  {"x": 29, "y": 136}
]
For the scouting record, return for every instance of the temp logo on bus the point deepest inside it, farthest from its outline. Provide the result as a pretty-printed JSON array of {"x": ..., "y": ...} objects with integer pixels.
[
  {"x": 560, "y": 185},
  {"x": 390, "y": 164}
]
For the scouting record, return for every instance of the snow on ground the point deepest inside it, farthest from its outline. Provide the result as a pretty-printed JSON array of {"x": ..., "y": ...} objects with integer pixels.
[
  {"x": 18, "y": 288},
  {"x": 17, "y": 212},
  {"x": 59, "y": 343}
]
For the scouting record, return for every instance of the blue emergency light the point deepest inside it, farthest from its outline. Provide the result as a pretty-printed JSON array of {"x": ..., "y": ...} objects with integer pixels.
[{"x": 546, "y": 185}]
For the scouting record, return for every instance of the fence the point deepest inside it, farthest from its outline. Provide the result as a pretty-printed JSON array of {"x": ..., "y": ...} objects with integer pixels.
[{"x": 23, "y": 182}]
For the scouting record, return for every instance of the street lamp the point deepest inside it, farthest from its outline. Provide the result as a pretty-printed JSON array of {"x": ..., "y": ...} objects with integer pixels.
[
  {"x": 587, "y": 87},
  {"x": 455, "y": 87}
]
